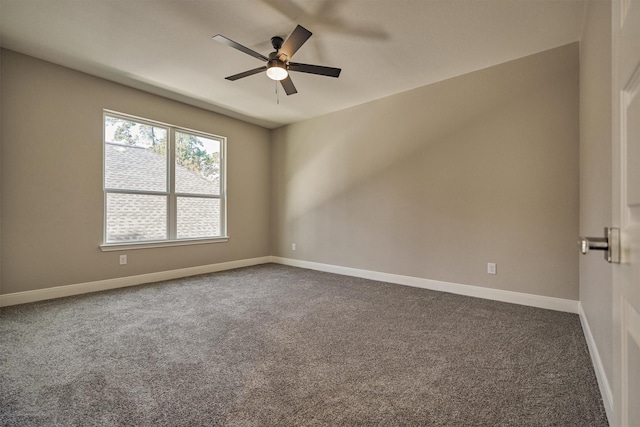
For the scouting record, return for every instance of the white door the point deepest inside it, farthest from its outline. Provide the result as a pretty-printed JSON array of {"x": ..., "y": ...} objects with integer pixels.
[{"x": 626, "y": 210}]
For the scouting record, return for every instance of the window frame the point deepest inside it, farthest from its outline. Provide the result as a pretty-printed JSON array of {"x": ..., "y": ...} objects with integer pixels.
[{"x": 171, "y": 238}]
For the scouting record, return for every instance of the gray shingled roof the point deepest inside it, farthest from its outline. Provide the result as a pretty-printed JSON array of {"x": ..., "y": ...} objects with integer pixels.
[{"x": 140, "y": 217}]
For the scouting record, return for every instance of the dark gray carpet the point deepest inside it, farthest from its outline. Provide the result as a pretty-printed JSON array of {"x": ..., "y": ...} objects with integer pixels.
[{"x": 272, "y": 345}]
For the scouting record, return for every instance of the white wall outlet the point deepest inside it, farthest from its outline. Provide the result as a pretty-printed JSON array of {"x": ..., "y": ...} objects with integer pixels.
[
  {"x": 293, "y": 246},
  {"x": 123, "y": 259},
  {"x": 491, "y": 268}
]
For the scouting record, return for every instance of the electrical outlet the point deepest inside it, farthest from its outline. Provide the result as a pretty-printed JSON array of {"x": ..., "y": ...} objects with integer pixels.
[
  {"x": 293, "y": 246},
  {"x": 491, "y": 268},
  {"x": 123, "y": 259}
]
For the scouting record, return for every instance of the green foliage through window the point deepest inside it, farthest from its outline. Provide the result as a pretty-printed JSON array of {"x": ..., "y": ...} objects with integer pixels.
[{"x": 190, "y": 150}]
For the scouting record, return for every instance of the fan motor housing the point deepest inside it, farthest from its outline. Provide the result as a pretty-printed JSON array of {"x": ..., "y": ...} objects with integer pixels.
[{"x": 275, "y": 61}]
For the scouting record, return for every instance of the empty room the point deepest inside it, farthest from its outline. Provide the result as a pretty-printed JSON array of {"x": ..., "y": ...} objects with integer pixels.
[{"x": 319, "y": 212}]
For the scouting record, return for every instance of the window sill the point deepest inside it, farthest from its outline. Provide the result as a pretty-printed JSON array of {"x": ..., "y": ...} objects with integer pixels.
[{"x": 110, "y": 247}]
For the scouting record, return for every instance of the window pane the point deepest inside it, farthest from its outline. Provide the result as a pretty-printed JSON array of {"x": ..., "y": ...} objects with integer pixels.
[
  {"x": 198, "y": 217},
  {"x": 134, "y": 156},
  {"x": 197, "y": 164},
  {"x": 136, "y": 217}
]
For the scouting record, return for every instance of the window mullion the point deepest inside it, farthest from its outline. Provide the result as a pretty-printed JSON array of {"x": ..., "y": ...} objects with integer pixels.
[{"x": 171, "y": 173}]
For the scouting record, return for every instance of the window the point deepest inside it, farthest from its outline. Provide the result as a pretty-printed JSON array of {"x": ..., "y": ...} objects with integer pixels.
[{"x": 162, "y": 183}]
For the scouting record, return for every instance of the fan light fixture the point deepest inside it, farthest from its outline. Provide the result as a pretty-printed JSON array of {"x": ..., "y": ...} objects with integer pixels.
[
  {"x": 277, "y": 70},
  {"x": 278, "y": 63}
]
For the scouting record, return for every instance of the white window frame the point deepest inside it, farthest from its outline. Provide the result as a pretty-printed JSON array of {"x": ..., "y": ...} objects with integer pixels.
[{"x": 172, "y": 197}]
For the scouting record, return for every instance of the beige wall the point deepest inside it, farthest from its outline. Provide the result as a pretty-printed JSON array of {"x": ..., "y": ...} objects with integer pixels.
[
  {"x": 431, "y": 183},
  {"x": 52, "y": 200},
  {"x": 438, "y": 181},
  {"x": 595, "y": 171}
]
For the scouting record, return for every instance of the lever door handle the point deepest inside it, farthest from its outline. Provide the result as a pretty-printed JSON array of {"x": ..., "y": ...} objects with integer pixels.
[{"x": 610, "y": 244}]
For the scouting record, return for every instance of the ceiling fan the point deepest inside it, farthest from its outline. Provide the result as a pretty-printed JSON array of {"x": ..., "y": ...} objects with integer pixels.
[{"x": 279, "y": 62}]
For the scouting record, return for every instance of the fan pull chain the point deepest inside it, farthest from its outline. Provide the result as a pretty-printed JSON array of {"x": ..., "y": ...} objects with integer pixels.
[{"x": 277, "y": 93}]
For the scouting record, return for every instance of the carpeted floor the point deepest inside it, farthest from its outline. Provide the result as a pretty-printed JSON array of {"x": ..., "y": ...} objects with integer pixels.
[{"x": 272, "y": 345}]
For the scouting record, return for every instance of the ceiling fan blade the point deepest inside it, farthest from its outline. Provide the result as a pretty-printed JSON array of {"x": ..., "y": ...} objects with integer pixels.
[
  {"x": 295, "y": 40},
  {"x": 287, "y": 85},
  {"x": 246, "y": 73},
  {"x": 315, "y": 69},
  {"x": 222, "y": 39}
]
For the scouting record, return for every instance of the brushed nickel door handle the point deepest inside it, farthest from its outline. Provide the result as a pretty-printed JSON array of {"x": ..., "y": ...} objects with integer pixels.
[{"x": 610, "y": 244}]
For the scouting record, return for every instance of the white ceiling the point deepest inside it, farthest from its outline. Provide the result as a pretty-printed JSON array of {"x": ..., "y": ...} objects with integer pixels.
[{"x": 383, "y": 46}]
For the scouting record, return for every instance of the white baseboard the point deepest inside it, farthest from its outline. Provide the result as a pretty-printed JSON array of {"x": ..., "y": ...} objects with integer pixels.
[
  {"x": 603, "y": 383},
  {"x": 121, "y": 282},
  {"x": 558, "y": 304}
]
